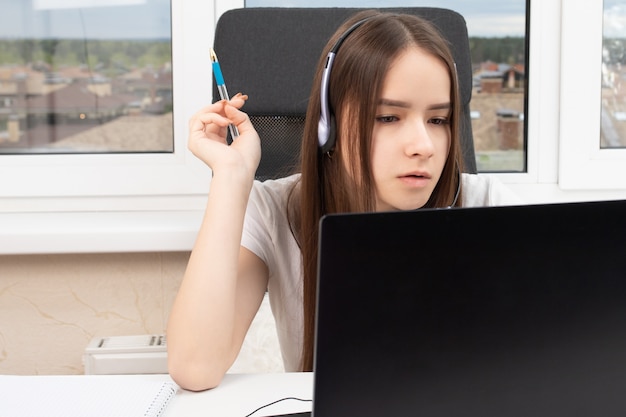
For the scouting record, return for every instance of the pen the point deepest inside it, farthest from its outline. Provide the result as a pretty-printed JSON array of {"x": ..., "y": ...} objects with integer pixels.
[{"x": 221, "y": 88}]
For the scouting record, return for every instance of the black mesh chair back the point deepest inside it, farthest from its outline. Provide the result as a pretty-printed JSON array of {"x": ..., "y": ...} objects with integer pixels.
[{"x": 271, "y": 55}]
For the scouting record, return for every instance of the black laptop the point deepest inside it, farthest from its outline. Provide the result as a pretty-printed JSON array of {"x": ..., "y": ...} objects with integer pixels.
[{"x": 486, "y": 312}]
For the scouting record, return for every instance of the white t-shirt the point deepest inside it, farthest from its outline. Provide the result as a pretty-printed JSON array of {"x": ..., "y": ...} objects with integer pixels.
[{"x": 267, "y": 233}]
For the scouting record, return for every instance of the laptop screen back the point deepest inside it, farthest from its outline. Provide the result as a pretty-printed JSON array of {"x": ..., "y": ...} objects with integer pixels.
[{"x": 503, "y": 311}]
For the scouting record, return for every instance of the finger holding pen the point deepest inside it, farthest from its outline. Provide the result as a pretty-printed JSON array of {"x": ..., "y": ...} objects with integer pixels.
[
  {"x": 221, "y": 88},
  {"x": 208, "y": 132},
  {"x": 212, "y": 119}
]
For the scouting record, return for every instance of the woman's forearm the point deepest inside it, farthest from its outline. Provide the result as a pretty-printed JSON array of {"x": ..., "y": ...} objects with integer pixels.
[{"x": 201, "y": 329}]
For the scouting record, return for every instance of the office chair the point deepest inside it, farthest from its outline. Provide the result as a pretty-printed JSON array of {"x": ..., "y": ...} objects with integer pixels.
[{"x": 271, "y": 55}]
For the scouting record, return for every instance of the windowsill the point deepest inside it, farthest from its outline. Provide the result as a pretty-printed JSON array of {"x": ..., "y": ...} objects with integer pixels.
[{"x": 97, "y": 232}]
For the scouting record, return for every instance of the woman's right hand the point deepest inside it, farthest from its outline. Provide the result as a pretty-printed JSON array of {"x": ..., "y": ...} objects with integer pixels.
[{"x": 207, "y": 138}]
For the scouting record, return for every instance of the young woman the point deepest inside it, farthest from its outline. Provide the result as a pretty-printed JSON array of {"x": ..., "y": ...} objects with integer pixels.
[{"x": 394, "y": 95}]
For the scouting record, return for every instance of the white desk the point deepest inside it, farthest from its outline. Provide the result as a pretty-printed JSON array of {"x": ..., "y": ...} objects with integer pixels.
[
  {"x": 78, "y": 395},
  {"x": 240, "y": 394}
]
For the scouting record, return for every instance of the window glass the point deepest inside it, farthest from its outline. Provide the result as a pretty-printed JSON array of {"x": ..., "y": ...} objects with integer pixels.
[
  {"x": 613, "y": 115},
  {"x": 498, "y": 43},
  {"x": 85, "y": 76}
]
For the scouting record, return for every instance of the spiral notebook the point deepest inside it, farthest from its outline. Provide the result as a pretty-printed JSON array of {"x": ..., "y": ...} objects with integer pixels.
[{"x": 84, "y": 395}]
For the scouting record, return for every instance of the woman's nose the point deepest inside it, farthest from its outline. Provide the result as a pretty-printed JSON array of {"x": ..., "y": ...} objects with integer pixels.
[{"x": 419, "y": 142}]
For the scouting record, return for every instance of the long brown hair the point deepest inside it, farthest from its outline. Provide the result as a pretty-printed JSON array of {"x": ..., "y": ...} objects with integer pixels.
[{"x": 355, "y": 85}]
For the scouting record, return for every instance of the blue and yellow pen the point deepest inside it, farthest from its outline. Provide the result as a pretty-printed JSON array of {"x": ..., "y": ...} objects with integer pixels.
[{"x": 221, "y": 88}]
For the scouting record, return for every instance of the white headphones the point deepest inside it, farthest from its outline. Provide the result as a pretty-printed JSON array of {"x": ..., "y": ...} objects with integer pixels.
[{"x": 326, "y": 126}]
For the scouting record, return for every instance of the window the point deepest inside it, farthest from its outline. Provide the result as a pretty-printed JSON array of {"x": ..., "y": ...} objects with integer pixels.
[
  {"x": 128, "y": 201},
  {"x": 498, "y": 44},
  {"x": 555, "y": 88},
  {"x": 613, "y": 115},
  {"x": 592, "y": 152},
  {"x": 123, "y": 201},
  {"x": 71, "y": 84}
]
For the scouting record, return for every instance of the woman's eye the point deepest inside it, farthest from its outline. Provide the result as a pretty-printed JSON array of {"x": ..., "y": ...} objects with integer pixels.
[
  {"x": 439, "y": 121},
  {"x": 386, "y": 119}
]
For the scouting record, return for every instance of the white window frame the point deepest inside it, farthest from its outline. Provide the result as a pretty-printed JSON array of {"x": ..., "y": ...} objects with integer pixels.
[
  {"x": 553, "y": 174},
  {"x": 118, "y": 202},
  {"x": 584, "y": 165},
  {"x": 565, "y": 162},
  {"x": 142, "y": 202}
]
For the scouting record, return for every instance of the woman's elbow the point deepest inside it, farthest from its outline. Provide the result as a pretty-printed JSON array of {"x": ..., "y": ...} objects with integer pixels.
[{"x": 194, "y": 377}]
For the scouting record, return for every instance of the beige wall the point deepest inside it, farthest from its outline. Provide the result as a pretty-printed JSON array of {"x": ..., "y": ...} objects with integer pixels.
[{"x": 51, "y": 306}]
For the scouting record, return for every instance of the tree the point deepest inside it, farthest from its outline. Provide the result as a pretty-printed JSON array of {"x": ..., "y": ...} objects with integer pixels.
[{"x": 49, "y": 47}]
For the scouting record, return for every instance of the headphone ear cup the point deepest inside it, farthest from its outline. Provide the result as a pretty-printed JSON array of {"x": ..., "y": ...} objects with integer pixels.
[
  {"x": 332, "y": 135},
  {"x": 327, "y": 129}
]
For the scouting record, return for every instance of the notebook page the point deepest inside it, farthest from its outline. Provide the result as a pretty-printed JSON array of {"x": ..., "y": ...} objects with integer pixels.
[{"x": 89, "y": 395}]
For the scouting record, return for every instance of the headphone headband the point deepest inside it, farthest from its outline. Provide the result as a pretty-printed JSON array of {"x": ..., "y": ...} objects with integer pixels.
[{"x": 325, "y": 128}]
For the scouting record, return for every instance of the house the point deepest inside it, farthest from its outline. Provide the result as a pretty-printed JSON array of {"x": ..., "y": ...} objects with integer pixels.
[{"x": 494, "y": 78}]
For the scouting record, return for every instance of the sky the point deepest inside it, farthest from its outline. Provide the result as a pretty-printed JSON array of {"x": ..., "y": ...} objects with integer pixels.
[
  {"x": 150, "y": 19},
  {"x": 483, "y": 17},
  {"x": 132, "y": 19},
  {"x": 102, "y": 19},
  {"x": 614, "y": 18}
]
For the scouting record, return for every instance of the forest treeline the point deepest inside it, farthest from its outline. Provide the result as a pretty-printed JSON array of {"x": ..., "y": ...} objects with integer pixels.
[
  {"x": 506, "y": 50},
  {"x": 121, "y": 55},
  {"x": 102, "y": 55}
]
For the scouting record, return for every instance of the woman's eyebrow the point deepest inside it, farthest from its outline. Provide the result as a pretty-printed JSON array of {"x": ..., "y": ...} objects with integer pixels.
[
  {"x": 441, "y": 106},
  {"x": 406, "y": 105},
  {"x": 393, "y": 103}
]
